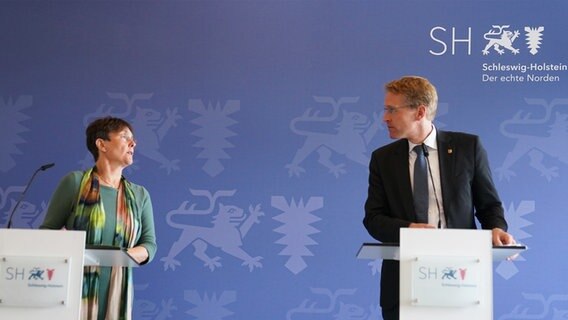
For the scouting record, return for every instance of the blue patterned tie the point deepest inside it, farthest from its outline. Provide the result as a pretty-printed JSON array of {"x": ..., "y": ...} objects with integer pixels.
[{"x": 420, "y": 185}]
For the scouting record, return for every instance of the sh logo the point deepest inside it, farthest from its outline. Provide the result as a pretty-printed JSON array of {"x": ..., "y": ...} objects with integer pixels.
[{"x": 499, "y": 39}]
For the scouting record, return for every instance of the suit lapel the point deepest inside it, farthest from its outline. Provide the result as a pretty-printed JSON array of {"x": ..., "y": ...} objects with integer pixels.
[
  {"x": 403, "y": 177},
  {"x": 446, "y": 156}
]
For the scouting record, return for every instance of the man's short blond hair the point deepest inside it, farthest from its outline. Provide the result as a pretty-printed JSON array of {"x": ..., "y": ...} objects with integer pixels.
[{"x": 417, "y": 91}]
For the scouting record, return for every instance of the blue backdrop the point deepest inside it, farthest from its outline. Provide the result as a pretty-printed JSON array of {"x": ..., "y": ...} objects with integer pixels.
[{"x": 256, "y": 120}]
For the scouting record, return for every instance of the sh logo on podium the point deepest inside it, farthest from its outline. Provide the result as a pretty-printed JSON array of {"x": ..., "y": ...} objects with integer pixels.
[
  {"x": 445, "y": 281},
  {"x": 33, "y": 281}
]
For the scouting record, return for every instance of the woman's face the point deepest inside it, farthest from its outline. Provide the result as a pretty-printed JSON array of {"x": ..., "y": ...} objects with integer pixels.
[{"x": 119, "y": 149}]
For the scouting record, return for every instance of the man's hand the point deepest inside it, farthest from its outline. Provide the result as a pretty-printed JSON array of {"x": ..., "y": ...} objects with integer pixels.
[
  {"x": 500, "y": 237},
  {"x": 421, "y": 226}
]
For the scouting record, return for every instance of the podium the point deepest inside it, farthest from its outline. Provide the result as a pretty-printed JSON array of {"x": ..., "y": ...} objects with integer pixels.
[
  {"x": 41, "y": 272},
  {"x": 108, "y": 256},
  {"x": 444, "y": 273}
]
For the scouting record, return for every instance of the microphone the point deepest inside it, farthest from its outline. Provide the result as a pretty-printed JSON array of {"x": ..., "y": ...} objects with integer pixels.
[
  {"x": 42, "y": 168},
  {"x": 427, "y": 154},
  {"x": 46, "y": 166},
  {"x": 425, "y": 151}
]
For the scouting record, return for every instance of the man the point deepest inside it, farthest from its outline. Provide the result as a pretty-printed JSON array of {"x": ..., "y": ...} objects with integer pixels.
[{"x": 459, "y": 181}]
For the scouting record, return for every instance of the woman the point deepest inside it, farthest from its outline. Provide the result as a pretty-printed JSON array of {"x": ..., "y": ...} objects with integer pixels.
[{"x": 112, "y": 211}]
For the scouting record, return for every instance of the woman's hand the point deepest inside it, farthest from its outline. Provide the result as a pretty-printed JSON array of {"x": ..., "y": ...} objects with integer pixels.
[{"x": 139, "y": 253}]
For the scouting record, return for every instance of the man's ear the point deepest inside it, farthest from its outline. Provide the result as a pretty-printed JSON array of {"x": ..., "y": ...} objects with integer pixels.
[{"x": 422, "y": 110}]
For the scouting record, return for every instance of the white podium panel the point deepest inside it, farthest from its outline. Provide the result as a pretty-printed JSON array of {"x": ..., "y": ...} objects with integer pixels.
[
  {"x": 446, "y": 274},
  {"x": 41, "y": 273}
]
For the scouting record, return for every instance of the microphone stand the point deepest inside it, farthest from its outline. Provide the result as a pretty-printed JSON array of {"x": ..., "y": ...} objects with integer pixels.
[
  {"x": 427, "y": 154},
  {"x": 42, "y": 168}
]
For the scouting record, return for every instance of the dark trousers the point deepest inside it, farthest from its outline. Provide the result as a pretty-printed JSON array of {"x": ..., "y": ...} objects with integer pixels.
[{"x": 390, "y": 314}]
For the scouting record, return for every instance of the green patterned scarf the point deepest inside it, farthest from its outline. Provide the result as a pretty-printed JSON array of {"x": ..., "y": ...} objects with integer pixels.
[{"x": 90, "y": 216}]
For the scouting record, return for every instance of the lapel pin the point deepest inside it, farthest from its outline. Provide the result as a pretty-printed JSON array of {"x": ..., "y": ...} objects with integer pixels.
[{"x": 450, "y": 151}]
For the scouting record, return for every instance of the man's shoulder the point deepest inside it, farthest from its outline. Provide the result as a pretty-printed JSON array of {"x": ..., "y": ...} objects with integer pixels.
[
  {"x": 456, "y": 136},
  {"x": 391, "y": 148}
]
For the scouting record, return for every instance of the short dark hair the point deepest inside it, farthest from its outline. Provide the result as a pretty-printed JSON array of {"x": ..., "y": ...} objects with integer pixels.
[{"x": 100, "y": 129}]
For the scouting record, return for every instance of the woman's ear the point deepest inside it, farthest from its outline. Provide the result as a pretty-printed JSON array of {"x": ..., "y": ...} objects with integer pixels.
[{"x": 100, "y": 143}]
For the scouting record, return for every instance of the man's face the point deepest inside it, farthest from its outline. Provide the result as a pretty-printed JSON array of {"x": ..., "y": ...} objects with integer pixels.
[{"x": 400, "y": 118}]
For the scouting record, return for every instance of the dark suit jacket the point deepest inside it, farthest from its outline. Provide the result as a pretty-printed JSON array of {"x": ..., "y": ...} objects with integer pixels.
[{"x": 467, "y": 190}]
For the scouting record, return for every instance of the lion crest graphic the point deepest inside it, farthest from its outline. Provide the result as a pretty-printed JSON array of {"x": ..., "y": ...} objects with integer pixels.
[
  {"x": 351, "y": 136},
  {"x": 27, "y": 213},
  {"x": 538, "y": 148},
  {"x": 151, "y": 125},
  {"x": 498, "y": 38},
  {"x": 230, "y": 225}
]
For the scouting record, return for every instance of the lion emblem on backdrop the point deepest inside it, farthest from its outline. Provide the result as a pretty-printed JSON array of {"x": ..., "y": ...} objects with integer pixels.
[
  {"x": 539, "y": 306},
  {"x": 27, "y": 213},
  {"x": 328, "y": 304},
  {"x": 538, "y": 147},
  {"x": 230, "y": 226},
  {"x": 499, "y": 38},
  {"x": 150, "y": 126},
  {"x": 350, "y": 137}
]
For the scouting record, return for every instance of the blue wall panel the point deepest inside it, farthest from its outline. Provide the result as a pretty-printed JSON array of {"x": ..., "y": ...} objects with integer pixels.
[{"x": 273, "y": 108}]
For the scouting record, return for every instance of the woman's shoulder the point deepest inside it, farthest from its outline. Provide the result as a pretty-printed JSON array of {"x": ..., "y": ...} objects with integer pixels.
[
  {"x": 72, "y": 178},
  {"x": 138, "y": 190}
]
